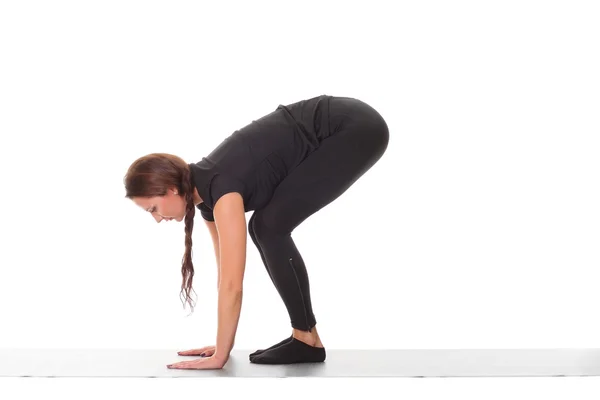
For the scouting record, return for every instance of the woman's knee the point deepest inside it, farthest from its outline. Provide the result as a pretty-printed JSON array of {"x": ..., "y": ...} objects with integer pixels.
[
  {"x": 251, "y": 223},
  {"x": 264, "y": 227}
]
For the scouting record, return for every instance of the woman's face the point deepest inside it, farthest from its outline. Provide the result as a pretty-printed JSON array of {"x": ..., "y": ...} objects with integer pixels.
[{"x": 171, "y": 206}]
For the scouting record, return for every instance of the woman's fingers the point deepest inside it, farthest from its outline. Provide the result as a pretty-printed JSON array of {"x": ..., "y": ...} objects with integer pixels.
[
  {"x": 209, "y": 352},
  {"x": 192, "y": 352},
  {"x": 203, "y": 351}
]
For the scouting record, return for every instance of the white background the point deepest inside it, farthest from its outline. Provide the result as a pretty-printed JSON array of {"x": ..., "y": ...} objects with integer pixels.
[{"x": 477, "y": 229}]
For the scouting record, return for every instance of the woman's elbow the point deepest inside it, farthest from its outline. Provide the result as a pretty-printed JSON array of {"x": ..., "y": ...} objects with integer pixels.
[{"x": 231, "y": 286}]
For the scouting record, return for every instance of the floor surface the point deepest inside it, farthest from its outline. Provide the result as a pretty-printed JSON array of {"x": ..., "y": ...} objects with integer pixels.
[{"x": 339, "y": 363}]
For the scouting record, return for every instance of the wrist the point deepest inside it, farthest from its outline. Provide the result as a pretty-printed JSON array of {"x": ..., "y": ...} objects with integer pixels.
[{"x": 221, "y": 357}]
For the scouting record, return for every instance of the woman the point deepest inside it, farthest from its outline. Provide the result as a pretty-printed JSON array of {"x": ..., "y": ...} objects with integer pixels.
[{"x": 285, "y": 166}]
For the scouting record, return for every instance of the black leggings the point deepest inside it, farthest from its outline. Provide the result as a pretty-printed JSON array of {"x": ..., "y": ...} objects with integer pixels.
[{"x": 359, "y": 137}]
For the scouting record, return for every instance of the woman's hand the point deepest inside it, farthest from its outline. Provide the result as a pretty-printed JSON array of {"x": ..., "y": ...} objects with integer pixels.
[
  {"x": 202, "y": 352},
  {"x": 211, "y": 362}
]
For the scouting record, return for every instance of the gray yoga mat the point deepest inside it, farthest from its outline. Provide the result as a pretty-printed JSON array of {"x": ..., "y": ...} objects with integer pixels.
[{"x": 339, "y": 363}]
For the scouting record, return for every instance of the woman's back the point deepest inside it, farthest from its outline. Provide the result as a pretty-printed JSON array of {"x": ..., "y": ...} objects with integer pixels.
[{"x": 256, "y": 158}]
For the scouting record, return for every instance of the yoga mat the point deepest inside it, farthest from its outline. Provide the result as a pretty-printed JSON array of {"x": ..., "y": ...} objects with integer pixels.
[{"x": 339, "y": 363}]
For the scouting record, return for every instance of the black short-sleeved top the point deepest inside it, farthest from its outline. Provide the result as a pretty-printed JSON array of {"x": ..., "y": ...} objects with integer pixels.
[{"x": 256, "y": 158}]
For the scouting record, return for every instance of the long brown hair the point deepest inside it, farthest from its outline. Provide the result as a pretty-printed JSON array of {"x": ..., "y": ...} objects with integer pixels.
[{"x": 150, "y": 176}]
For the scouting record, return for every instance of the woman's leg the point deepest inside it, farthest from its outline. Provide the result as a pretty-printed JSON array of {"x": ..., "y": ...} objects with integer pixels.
[
  {"x": 264, "y": 260},
  {"x": 359, "y": 140}
]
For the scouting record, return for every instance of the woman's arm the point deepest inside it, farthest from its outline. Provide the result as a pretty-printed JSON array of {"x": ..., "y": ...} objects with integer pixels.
[
  {"x": 230, "y": 220},
  {"x": 212, "y": 227}
]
